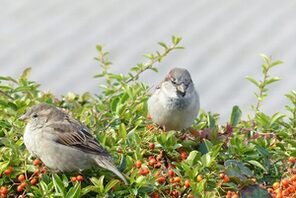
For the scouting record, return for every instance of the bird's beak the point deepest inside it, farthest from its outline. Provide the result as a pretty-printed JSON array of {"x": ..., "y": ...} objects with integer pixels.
[
  {"x": 181, "y": 88},
  {"x": 23, "y": 117}
]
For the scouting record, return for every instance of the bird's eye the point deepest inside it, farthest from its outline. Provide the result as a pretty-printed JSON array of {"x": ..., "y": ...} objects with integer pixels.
[
  {"x": 173, "y": 81},
  {"x": 35, "y": 115}
]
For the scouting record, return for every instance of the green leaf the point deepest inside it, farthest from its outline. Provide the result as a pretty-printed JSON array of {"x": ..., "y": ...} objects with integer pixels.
[
  {"x": 235, "y": 116},
  {"x": 111, "y": 184},
  {"x": 99, "y": 48},
  {"x": 75, "y": 191},
  {"x": 163, "y": 45},
  {"x": 255, "y": 163},
  {"x": 252, "y": 191},
  {"x": 26, "y": 73},
  {"x": 191, "y": 159},
  {"x": 99, "y": 183},
  {"x": 58, "y": 184},
  {"x": 206, "y": 160},
  {"x": 122, "y": 131},
  {"x": 252, "y": 80}
]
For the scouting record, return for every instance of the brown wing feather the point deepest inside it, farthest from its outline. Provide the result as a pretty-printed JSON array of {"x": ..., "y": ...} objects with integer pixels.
[{"x": 73, "y": 133}]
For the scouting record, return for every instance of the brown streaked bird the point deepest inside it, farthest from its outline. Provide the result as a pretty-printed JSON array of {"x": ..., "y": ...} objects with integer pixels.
[
  {"x": 175, "y": 103},
  {"x": 63, "y": 143}
]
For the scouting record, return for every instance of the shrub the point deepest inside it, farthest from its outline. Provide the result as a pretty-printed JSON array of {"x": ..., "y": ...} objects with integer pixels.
[{"x": 254, "y": 157}]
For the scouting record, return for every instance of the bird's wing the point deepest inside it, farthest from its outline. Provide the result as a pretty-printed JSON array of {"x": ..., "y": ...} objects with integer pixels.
[{"x": 72, "y": 133}]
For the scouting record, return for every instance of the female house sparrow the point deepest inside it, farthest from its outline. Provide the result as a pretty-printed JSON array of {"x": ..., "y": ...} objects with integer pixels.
[
  {"x": 63, "y": 143},
  {"x": 175, "y": 103}
]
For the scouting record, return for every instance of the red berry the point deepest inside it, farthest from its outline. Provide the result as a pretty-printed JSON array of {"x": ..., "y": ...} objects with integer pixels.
[
  {"x": 73, "y": 179},
  {"x": 285, "y": 182},
  {"x": 187, "y": 183},
  {"x": 184, "y": 155},
  {"x": 151, "y": 146},
  {"x": 21, "y": 177},
  {"x": 144, "y": 171},
  {"x": 19, "y": 188},
  {"x": 171, "y": 173},
  {"x": 226, "y": 179},
  {"x": 36, "y": 162},
  {"x": 155, "y": 195},
  {"x": 8, "y": 171},
  {"x": 33, "y": 181},
  {"x": 138, "y": 164},
  {"x": 161, "y": 180},
  {"x": 80, "y": 178}
]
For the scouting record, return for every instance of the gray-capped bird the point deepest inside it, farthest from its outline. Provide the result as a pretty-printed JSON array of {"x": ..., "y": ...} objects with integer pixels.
[
  {"x": 63, "y": 143},
  {"x": 175, "y": 103}
]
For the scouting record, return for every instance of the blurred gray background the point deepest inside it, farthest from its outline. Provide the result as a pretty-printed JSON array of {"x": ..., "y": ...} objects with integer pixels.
[{"x": 223, "y": 41}]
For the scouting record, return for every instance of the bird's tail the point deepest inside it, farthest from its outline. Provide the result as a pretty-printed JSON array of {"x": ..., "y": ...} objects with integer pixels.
[{"x": 107, "y": 164}]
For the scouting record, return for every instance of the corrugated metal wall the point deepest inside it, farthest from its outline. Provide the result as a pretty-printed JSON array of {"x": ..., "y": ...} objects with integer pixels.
[{"x": 223, "y": 40}]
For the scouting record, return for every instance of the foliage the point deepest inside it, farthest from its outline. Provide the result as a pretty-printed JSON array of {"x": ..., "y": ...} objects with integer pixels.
[{"x": 242, "y": 157}]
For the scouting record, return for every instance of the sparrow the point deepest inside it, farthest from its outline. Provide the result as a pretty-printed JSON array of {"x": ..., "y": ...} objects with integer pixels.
[
  {"x": 175, "y": 103},
  {"x": 62, "y": 143}
]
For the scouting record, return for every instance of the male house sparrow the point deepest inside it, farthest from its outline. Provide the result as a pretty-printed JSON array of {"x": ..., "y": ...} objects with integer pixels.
[
  {"x": 175, "y": 103},
  {"x": 63, "y": 143}
]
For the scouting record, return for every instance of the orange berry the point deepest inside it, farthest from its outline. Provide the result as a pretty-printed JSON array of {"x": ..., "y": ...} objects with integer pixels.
[
  {"x": 279, "y": 195},
  {"x": 23, "y": 184},
  {"x": 226, "y": 179},
  {"x": 21, "y": 177},
  {"x": 293, "y": 178},
  {"x": 221, "y": 175},
  {"x": 171, "y": 173},
  {"x": 269, "y": 190},
  {"x": 151, "y": 146},
  {"x": 172, "y": 180},
  {"x": 199, "y": 178},
  {"x": 187, "y": 183},
  {"x": 149, "y": 117},
  {"x": 19, "y": 188},
  {"x": 275, "y": 185},
  {"x": 184, "y": 155},
  {"x": 79, "y": 178},
  {"x": 292, "y": 159},
  {"x": 152, "y": 162},
  {"x": 150, "y": 126},
  {"x": 285, "y": 183},
  {"x": 3, "y": 190},
  {"x": 138, "y": 164},
  {"x": 36, "y": 162},
  {"x": 157, "y": 165},
  {"x": 177, "y": 179},
  {"x": 190, "y": 196},
  {"x": 161, "y": 180},
  {"x": 157, "y": 174},
  {"x": 33, "y": 181},
  {"x": 235, "y": 196},
  {"x": 73, "y": 179}
]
